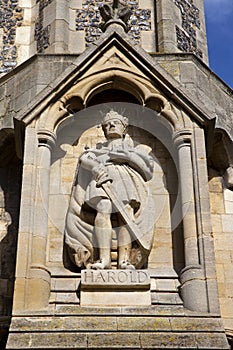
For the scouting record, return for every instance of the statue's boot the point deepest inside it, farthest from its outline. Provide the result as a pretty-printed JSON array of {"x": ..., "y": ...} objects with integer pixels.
[
  {"x": 126, "y": 265},
  {"x": 101, "y": 264}
]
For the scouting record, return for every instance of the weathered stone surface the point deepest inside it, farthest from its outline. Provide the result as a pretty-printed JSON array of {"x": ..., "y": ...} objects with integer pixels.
[
  {"x": 47, "y": 341},
  {"x": 114, "y": 341},
  {"x": 118, "y": 331}
]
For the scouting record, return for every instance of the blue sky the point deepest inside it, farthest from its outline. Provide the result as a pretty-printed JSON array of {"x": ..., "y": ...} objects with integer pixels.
[{"x": 219, "y": 25}]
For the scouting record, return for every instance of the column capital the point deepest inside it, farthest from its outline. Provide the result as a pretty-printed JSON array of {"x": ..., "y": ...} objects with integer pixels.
[
  {"x": 182, "y": 138},
  {"x": 46, "y": 138}
]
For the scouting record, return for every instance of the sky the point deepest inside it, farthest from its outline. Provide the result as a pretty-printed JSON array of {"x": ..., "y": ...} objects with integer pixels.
[{"x": 219, "y": 25}]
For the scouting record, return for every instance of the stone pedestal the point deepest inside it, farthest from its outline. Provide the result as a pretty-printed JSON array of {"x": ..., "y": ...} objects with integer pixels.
[
  {"x": 103, "y": 288},
  {"x": 117, "y": 328}
]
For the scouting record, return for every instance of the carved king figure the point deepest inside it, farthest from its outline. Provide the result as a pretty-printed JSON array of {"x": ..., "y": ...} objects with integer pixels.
[{"x": 111, "y": 192}]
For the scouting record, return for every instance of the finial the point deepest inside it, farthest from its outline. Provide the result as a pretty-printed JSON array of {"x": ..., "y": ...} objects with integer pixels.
[{"x": 115, "y": 14}]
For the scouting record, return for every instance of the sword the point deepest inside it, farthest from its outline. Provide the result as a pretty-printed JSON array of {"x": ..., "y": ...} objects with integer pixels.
[{"x": 126, "y": 217}]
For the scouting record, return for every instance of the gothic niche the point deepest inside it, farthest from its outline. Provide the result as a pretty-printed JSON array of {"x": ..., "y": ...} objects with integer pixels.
[
  {"x": 122, "y": 211},
  {"x": 111, "y": 192}
]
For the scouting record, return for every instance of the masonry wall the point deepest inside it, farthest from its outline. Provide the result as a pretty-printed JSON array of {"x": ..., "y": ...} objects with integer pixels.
[
  {"x": 69, "y": 27},
  {"x": 221, "y": 201}
]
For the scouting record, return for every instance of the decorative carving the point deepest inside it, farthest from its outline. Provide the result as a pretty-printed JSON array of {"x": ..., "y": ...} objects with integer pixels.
[
  {"x": 110, "y": 197},
  {"x": 186, "y": 37},
  {"x": 117, "y": 13},
  {"x": 89, "y": 20},
  {"x": 11, "y": 16}
]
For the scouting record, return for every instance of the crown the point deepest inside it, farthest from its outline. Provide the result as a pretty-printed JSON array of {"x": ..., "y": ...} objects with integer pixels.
[{"x": 114, "y": 115}]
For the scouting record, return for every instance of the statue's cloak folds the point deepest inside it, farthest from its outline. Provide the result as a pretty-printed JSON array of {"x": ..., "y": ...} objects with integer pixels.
[{"x": 132, "y": 189}]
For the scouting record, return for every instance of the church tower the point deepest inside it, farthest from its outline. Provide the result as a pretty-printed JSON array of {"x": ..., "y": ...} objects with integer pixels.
[
  {"x": 116, "y": 178},
  {"x": 69, "y": 27}
]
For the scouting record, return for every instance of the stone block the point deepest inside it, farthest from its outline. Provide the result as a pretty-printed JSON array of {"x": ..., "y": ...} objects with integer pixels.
[
  {"x": 61, "y": 35},
  {"x": 173, "y": 340},
  {"x": 115, "y": 288},
  {"x": 57, "y": 212},
  {"x": 145, "y": 4},
  {"x": 172, "y": 68},
  {"x": 195, "y": 324},
  {"x": 166, "y": 285},
  {"x": 216, "y": 222},
  {"x": 228, "y": 195},
  {"x": 115, "y": 299},
  {"x": 67, "y": 298},
  {"x": 49, "y": 14},
  {"x": 68, "y": 167},
  {"x": 24, "y": 35},
  {"x": 76, "y": 42},
  {"x": 30, "y": 15},
  {"x": 62, "y": 11},
  {"x": 47, "y": 341},
  {"x": 220, "y": 273},
  {"x": 135, "y": 324},
  {"x": 166, "y": 298},
  {"x": 224, "y": 241},
  {"x": 211, "y": 340},
  {"x": 117, "y": 341},
  {"x": 216, "y": 203},
  {"x": 69, "y": 323},
  {"x": 222, "y": 256},
  {"x": 75, "y": 4},
  {"x": 161, "y": 255},
  {"x": 27, "y": 3},
  {"x": 55, "y": 250},
  {"x": 65, "y": 284},
  {"x": 228, "y": 272},
  {"x": 55, "y": 177},
  {"x": 229, "y": 207},
  {"x": 23, "y": 246},
  {"x": 227, "y": 223},
  {"x": 228, "y": 323},
  {"x": 147, "y": 41},
  {"x": 187, "y": 72}
]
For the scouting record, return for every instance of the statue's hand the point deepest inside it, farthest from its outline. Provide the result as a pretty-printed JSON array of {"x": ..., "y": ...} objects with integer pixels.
[{"x": 101, "y": 175}]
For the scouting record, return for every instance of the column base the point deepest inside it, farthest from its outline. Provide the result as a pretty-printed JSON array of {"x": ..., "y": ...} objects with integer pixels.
[{"x": 193, "y": 288}]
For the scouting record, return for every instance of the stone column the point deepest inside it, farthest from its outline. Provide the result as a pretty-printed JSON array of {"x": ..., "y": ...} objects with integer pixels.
[
  {"x": 27, "y": 206},
  {"x": 39, "y": 277},
  {"x": 193, "y": 288}
]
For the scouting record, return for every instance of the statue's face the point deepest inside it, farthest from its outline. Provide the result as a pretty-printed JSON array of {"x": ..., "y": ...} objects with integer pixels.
[{"x": 113, "y": 129}]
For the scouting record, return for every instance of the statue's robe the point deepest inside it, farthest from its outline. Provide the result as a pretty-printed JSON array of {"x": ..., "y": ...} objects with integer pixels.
[{"x": 129, "y": 182}]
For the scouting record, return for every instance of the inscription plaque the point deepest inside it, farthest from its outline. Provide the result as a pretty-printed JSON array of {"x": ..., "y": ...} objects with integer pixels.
[
  {"x": 139, "y": 279},
  {"x": 109, "y": 288}
]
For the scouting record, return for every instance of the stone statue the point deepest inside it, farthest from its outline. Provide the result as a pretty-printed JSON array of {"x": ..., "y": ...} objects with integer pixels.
[{"x": 110, "y": 192}]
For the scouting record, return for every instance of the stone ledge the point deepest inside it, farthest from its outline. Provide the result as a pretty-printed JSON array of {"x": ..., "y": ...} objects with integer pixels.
[
  {"x": 120, "y": 340},
  {"x": 115, "y": 323},
  {"x": 134, "y": 331}
]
